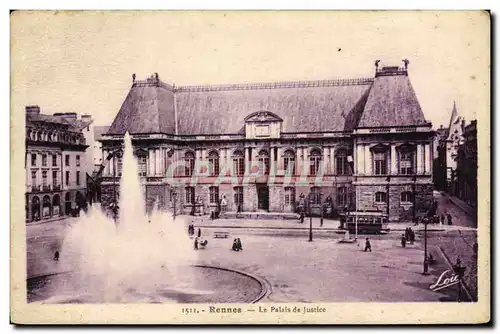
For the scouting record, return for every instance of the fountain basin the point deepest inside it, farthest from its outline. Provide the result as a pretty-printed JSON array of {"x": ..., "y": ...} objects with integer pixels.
[{"x": 211, "y": 285}]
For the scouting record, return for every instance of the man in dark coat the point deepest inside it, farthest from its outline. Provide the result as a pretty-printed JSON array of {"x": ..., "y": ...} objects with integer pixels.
[
  {"x": 403, "y": 241},
  {"x": 368, "y": 245},
  {"x": 449, "y": 219}
]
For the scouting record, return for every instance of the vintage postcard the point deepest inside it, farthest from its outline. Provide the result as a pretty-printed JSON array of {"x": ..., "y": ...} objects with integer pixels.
[{"x": 189, "y": 167}]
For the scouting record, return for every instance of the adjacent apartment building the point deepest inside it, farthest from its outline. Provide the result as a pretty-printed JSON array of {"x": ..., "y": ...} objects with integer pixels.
[{"x": 55, "y": 163}]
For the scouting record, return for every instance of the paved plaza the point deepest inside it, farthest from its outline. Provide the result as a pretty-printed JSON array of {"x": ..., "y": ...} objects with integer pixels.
[{"x": 297, "y": 270}]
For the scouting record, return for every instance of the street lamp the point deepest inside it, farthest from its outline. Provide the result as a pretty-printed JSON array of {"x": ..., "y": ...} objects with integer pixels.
[
  {"x": 310, "y": 217},
  {"x": 426, "y": 262},
  {"x": 174, "y": 196}
]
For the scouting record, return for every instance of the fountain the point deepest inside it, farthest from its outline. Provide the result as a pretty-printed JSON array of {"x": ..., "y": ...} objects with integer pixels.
[{"x": 140, "y": 258}]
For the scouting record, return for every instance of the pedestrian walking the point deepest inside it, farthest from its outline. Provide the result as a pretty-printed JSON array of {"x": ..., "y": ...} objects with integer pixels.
[
  {"x": 196, "y": 243},
  {"x": 449, "y": 219},
  {"x": 403, "y": 241},
  {"x": 56, "y": 256},
  {"x": 442, "y": 219},
  {"x": 368, "y": 245},
  {"x": 239, "y": 245},
  {"x": 199, "y": 232}
]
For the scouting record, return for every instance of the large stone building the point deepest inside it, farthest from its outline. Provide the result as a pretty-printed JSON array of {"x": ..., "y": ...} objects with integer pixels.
[
  {"x": 55, "y": 163},
  {"x": 466, "y": 188},
  {"x": 356, "y": 143}
]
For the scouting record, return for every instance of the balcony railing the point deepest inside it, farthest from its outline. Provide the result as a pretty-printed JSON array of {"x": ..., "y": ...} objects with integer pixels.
[
  {"x": 35, "y": 189},
  {"x": 46, "y": 188},
  {"x": 56, "y": 187}
]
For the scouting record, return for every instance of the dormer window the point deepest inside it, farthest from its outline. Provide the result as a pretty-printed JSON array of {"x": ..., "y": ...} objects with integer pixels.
[{"x": 262, "y": 125}]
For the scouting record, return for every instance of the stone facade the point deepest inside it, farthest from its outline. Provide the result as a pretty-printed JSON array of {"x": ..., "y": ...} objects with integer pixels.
[{"x": 349, "y": 144}]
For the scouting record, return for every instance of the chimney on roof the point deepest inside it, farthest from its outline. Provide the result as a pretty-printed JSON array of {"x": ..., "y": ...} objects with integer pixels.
[
  {"x": 32, "y": 110},
  {"x": 86, "y": 118},
  {"x": 66, "y": 115}
]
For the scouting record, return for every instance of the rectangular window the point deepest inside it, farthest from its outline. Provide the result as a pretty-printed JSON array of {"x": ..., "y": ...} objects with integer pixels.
[
  {"x": 189, "y": 195},
  {"x": 380, "y": 163},
  {"x": 341, "y": 164},
  {"x": 54, "y": 178},
  {"x": 342, "y": 196},
  {"x": 315, "y": 162},
  {"x": 289, "y": 196},
  {"x": 239, "y": 166},
  {"x": 119, "y": 166},
  {"x": 44, "y": 159},
  {"x": 67, "y": 178},
  {"x": 214, "y": 195},
  {"x": 380, "y": 197},
  {"x": 264, "y": 166},
  {"x": 141, "y": 161},
  {"x": 33, "y": 159},
  {"x": 44, "y": 178},
  {"x": 78, "y": 160},
  {"x": 214, "y": 165},
  {"x": 66, "y": 160},
  {"x": 406, "y": 163},
  {"x": 78, "y": 178},
  {"x": 33, "y": 178},
  {"x": 238, "y": 195},
  {"x": 289, "y": 164},
  {"x": 315, "y": 196},
  {"x": 54, "y": 160}
]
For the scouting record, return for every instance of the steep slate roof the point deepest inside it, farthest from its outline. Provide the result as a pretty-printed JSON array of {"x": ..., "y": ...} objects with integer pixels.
[
  {"x": 307, "y": 106},
  {"x": 392, "y": 102},
  {"x": 304, "y": 107},
  {"x": 99, "y": 131},
  {"x": 146, "y": 109}
]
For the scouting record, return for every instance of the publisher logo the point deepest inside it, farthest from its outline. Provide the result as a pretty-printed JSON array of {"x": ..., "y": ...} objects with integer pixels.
[{"x": 447, "y": 278}]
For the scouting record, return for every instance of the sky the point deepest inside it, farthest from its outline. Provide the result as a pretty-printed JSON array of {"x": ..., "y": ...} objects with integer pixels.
[{"x": 83, "y": 61}]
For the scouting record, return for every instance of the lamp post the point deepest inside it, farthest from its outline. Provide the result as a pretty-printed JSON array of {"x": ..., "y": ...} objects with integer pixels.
[
  {"x": 426, "y": 262},
  {"x": 310, "y": 218},
  {"x": 174, "y": 196}
]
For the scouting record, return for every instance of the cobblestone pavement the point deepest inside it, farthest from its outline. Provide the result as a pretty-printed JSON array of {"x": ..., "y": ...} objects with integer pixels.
[{"x": 297, "y": 270}]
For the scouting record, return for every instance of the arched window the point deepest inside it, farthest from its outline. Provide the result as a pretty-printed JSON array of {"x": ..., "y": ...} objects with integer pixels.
[
  {"x": 342, "y": 196},
  {"x": 214, "y": 194},
  {"x": 213, "y": 161},
  {"x": 406, "y": 160},
  {"x": 189, "y": 195},
  {"x": 314, "y": 162},
  {"x": 239, "y": 163},
  {"x": 380, "y": 197},
  {"x": 289, "y": 162},
  {"x": 289, "y": 196},
  {"x": 263, "y": 158},
  {"x": 189, "y": 164},
  {"x": 341, "y": 163},
  {"x": 315, "y": 196},
  {"x": 406, "y": 197},
  {"x": 46, "y": 206},
  {"x": 238, "y": 195}
]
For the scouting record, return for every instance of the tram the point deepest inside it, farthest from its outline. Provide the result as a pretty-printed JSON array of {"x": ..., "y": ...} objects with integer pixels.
[{"x": 369, "y": 222}]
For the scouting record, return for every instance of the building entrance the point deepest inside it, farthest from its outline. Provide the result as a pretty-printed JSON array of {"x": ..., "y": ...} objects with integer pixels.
[{"x": 263, "y": 198}]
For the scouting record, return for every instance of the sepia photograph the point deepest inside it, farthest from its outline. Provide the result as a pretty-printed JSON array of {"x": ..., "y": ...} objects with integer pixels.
[{"x": 250, "y": 167}]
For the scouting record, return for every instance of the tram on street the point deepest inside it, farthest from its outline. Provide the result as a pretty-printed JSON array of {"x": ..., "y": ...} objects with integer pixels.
[{"x": 368, "y": 222}]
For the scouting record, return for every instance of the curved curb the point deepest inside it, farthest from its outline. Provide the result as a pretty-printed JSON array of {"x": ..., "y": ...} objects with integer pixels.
[
  {"x": 266, "y": 289},
  {"x": 462, "y": 283}
]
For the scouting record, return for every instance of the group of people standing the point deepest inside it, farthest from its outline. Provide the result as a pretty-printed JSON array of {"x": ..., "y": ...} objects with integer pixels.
[
  {"x": 237, "y": 245},
  {"x": 408, "y": 236},
  {"x": 191, "y": 230}
]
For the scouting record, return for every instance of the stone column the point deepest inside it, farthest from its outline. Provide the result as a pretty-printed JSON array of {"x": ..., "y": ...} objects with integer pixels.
[
  {"x": 305, "y": 161},
  {"x": 326, "y": 162},
  {"x": 427, "y": 159},
  {"x": 360, "y": 159},
  {"x": 111, "y": 165},
  {"x": 151, "y": 164},
  {"x": 247, "y": 157},
  {"x": 279, "y": 159},
  {"x": 105, "y": 172},
  {"x": 272, "y": 165},
  {"x": 332, "y": 161},
  {"x": 420, "y": 160},
  {"x": 368, "y": 161},
  {"x": 394, "y": 161}
]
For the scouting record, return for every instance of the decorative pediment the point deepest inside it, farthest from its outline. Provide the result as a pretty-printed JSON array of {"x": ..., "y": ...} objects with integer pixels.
[
  {"x": 380, "y": 147},
  {"x": 140, "y": 152},
  {"x": 263, "y": 116}
]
